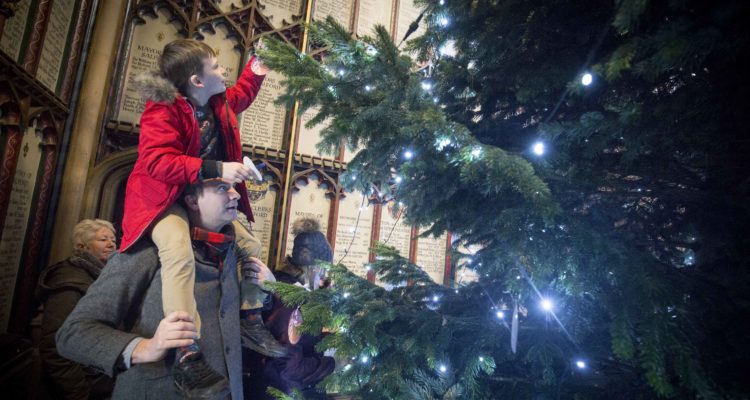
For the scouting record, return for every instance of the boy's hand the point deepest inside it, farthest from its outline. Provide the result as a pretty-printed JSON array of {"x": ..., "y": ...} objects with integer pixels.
[
  {"x": 175, "y": 330},
  {"x": 235, "y": 172},
  {"x": 257, "y": 66}
]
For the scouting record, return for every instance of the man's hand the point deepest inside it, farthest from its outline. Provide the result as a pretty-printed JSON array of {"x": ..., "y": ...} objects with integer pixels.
[
  {"x": 235, "y": 172},
  {"x": 176, "y": 330},
  {"x": 255, "y": 271},
  {"x": 257, "y": 66}
]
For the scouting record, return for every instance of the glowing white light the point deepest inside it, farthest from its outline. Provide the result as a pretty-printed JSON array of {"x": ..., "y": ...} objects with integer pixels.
[
  {"x": 442, "y": 2},
  {"x": 538, "y": 148},
  {"x": 443, "y": 368},
  {"x": 365, "y": 359},
  {"x": 500, "y": 314},
  {"x": 546, "y": 305},
  {"x": 400, "y": 204},
  {"x": 399, "y": 179},
  {"x": 471, "y": 65},
  {"x": 368, "y": 267},
  {"x": 586, "y": 79},
  {"x": 581, "y": 364},
  {"x": 347, "y": 367},
  {"x": 449, "y": 49},
  {"x": 481, "y": 359},
  {"x": 444, "y": 21},
  {"x": 408, "y": 154},
  {"x": 368, "y": 88},
  {"x": 426, "y": 85},
  {"x": 342, "y": 72},
  {"x": 435, "y": 298},
  {"x": 346, "y": 295},
  {"x": 476, "y": 152},
  {"x": 354, "y": 177},
  {"x": 435, "y": 100},
  {"x": 456, "y": 291}
]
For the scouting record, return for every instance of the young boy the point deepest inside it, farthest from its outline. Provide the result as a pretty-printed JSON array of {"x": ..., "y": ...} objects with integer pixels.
[{"x": 188, "y": 133}]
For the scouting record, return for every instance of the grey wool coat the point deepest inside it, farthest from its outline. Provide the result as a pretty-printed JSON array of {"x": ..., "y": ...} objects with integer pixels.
[{"x": 125, "y": 303}]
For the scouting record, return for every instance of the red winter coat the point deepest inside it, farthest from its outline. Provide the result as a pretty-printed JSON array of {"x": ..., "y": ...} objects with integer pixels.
[{"x": 169, "y": 147}]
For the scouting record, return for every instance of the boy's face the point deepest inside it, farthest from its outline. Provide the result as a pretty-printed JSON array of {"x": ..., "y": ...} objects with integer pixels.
[{"x": 213, "y": 78}]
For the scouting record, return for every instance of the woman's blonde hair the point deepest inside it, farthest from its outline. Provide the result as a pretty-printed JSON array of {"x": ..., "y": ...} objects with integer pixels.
[{"x": 85, "y": 230}]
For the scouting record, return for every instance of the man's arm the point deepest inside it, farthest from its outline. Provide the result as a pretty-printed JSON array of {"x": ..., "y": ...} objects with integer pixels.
[{"x": 92, "y": 334}]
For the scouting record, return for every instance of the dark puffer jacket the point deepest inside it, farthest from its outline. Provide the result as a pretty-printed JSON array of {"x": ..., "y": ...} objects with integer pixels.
[
  {"x": 303, "y": 367},
  {"x": 60, "y": 287}
]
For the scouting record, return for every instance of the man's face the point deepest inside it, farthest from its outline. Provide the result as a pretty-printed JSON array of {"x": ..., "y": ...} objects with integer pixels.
[
  {"x": 214, "y": 77},
  {"x": 217, "y": 206}
]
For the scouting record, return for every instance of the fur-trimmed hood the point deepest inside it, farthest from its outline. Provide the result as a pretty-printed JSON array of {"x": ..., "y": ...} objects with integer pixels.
[{"x": 153, "y": 86}]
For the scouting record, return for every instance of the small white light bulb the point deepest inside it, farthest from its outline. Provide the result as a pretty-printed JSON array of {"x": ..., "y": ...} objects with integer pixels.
[
  {"x": 581, "y": 364},
  {"x": 500, "y": 314},
  {"x": 546, "y": 305},
  {"x": 408, "y": 154},
  {"x": 443, "y": 368},
  {"x": 586, "y": 79},
  {"x": 538, "y": 148}
]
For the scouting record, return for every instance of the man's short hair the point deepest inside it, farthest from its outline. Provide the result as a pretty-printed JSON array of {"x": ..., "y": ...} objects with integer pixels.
[
  {"x": 194, "y": 189},
  {"x": 85, "y": 230},
  {"x": 182, "y": 59}
]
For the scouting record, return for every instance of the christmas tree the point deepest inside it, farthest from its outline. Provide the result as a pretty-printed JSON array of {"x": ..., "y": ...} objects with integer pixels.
[{"x": 590, "y": 152}]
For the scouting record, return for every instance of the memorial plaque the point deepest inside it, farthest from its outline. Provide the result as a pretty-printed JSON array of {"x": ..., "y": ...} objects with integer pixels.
[
  {"x": 371, "y": 13},
  {"x": 352, "y": 236},
  {"x": 17, "y": 219},
  {"x": 262, "y": 124},
  {"x": 264, "y": 211},
  {"x": 15, "y": 29},
  {"x": 340, "y": 10},
  {"x": 309, "y": 201},
  {"x": 226, "y": 52},
  {"x": 51, "y": 65},
  {"x": 408, "y": 12},
  {"x": 310, "y": 137},
  {"x": 431, "y": 256},
  {"x": 280, "y": 12},
  {"x": 393, "y": 231},
  {"x": 146, "y": 46}
]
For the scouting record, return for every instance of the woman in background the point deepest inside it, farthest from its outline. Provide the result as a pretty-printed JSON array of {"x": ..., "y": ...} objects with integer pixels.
[{"x": 60, "y": 287}]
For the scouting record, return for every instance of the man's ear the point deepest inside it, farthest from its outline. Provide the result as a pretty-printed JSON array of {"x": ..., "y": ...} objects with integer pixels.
[
  {"x": 196, "y": 81},
  {"x": 191, "y": 202}
]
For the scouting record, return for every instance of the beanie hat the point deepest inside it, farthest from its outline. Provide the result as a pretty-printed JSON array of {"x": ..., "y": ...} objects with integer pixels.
[{"x": 310, "y": 244}]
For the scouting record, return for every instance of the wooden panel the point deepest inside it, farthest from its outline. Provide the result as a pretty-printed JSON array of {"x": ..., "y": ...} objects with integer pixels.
[
  {"x": 371, "y": 13},
  {"x": 17, "y": 217},
  {"x": 56, "y": 40},
  {"x": 309, "y": 137},
  {"x": 393, "y": 231},
  {"x": 340, "y": 10},
  {"x": 264, "y": 211},
  {"x": 227, "y": 52},
  {"x": 353, "y": 232},
  {"x": 431, "y": 255},
  {"x": 16, "y": 30},
  {"x": 309, "y": 201},
  {"x": 280, "y": 12},
  {"x": 407, "y": 13},
  {"x": 146, "y": 46},
  {"x": 262, "y": 124}
]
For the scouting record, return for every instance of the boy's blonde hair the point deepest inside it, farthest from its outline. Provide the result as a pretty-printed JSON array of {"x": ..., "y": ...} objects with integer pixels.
[{"x": 182, "y": 59}]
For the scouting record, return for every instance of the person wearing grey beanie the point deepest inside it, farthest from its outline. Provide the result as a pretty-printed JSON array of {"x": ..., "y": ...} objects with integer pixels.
[{"x": 303, "y": 367}]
